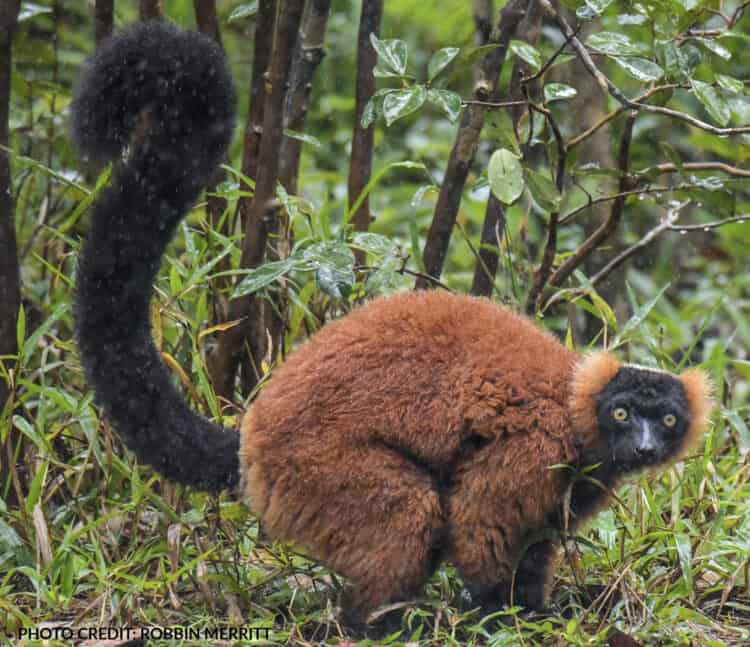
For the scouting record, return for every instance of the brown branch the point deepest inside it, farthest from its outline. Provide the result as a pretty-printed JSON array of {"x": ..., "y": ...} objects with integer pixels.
[
  {"x": 225, "y": 356},
  {"x": 611, "y": 115},
  {"x": 697, "y": 166},
  {"x": 104, "y": 19},
  {"x": 467, "y": 139},
  {"x": 10, "y": 295},
  {"x": 606, "y": 229},
  {"x": 360, "y": 163},
  {"x": 614, "y": 91},
  {"x": 150, "y": 9},
  {"x": 710, "y": 225}
]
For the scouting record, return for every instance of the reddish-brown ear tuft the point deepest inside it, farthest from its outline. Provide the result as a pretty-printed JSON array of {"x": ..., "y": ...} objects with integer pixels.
[
  {"x": 699, "y": 392},
  {"x": 590, "y": 375}
]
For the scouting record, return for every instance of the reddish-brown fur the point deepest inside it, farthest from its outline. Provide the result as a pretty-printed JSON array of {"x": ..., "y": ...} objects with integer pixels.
[{"x": 420, "y": 427}]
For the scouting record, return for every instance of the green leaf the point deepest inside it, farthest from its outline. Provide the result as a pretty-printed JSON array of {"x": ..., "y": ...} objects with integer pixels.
[
  {"x": 449, "y": 102},
  {"x": 243, "y": 11},
  {"x": 21, "y": 327},
  {"x": 505, "y": 174},
  {"x": 401, "y": 103},
  {"x": 543, "y": 190},
  {"x": 716, "y": 47},
  {"x": 598, "y": 6},
  {"x": 498, "y": 126},
  {"x": 374, "y": 107},
  {"x": 730, "y": 84},
  {"x": 30, "y": 10},
  {"x": 373, "y": 243},
  {"x": 334, "y": 267},
  {"x": 714, "y": 103},
  {"x": 392, "y": 56},
  {"x": 440, "y": 60},
  {"x": 740, "y": 426},
  {"x": 685, "y": 555},
  {"x": 614, "y": 44},
  {"x": 558, "y": 92},
  {"x": 679, "y": 63},
  {"x": 527, "y": 53},
  {"x": 303, "y": 137},
  {"x": 640, "y": 68},
  {"x": 261, "y": 277},
  {"x": 672, "y": 154}
]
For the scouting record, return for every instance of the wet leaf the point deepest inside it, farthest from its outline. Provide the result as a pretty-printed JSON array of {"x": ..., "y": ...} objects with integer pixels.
[
  {"x": 598, "y": 6},
  {"x": 505, "y": 174},
  {"x": 334, "y": 267},
  {"x": 712, "y": 101},
  {"x": 735, "y": 86},
  {"x": 558, "y": 92},
  {"x": 527, "y": 53},
  {"x": 440, "y": 60},
  {"x": 614, "y": 44},
  {"x": 640, "y": 68},
  {"x": 449, "y": 102},
  {"x": 261, "y": 277},
  {"x": 392, "y": 55},
  {"x": 543, "y": 190},
  {"x": 400, "y": 103},
  {"x": 243, "y": 11}
]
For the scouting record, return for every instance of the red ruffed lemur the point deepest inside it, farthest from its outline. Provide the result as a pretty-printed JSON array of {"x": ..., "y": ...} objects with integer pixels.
[{"x": 420, "y": 428}]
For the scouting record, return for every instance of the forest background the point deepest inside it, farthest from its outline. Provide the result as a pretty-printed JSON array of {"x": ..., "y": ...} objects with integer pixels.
[{"x": 584, "y": 162}]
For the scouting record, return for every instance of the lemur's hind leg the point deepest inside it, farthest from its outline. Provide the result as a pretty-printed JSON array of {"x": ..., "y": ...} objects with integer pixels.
[
  {"x": 373, "y": 515},
  {"x": 393, "y": 550}
]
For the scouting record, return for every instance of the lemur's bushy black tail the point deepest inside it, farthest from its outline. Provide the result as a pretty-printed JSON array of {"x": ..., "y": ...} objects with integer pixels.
[{"x": 163, "y": 98}]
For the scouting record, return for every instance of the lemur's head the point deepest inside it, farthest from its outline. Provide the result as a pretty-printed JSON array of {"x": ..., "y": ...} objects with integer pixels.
[{"x": 641, "y": 417}]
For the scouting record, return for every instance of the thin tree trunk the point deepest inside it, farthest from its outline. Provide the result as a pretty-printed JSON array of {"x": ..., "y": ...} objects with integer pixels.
[
  {"x": 225, "y": 356},
  {"x": 308, "y": 54},
  {"x": 466, "y": 143},
  {"x": 150, "y": 9},
  {"x": 104, "y": 19},
  {"x": 360, "y": 165},
  {"x": 251, "y": 334},
  {"x": 206, "y": 19},
  {"x": 10, "y": 291},
  {"x": 208, "y": 24},
  {"x": 494, "y": 215}
]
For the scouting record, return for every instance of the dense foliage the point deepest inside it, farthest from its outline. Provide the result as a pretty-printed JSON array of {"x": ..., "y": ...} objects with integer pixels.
[{"x": 657, "y": 147}]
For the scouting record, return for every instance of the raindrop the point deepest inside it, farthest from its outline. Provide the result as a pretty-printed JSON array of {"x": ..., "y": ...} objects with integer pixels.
[
  {"x": 683, "y": 232},
  {"x": 707, "y": 229}
]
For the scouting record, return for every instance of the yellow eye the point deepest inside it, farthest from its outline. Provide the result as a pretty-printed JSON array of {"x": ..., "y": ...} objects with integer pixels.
[
  {"x": 670, "y": 420},
  {"x": 620, "y": 414}
]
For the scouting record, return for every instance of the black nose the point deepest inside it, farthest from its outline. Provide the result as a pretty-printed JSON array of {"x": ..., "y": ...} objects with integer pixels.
[{"x": 645, "y": 452}]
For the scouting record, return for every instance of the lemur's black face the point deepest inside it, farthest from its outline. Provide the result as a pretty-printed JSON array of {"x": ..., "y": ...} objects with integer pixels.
[{"x": 644, "y": 416}]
